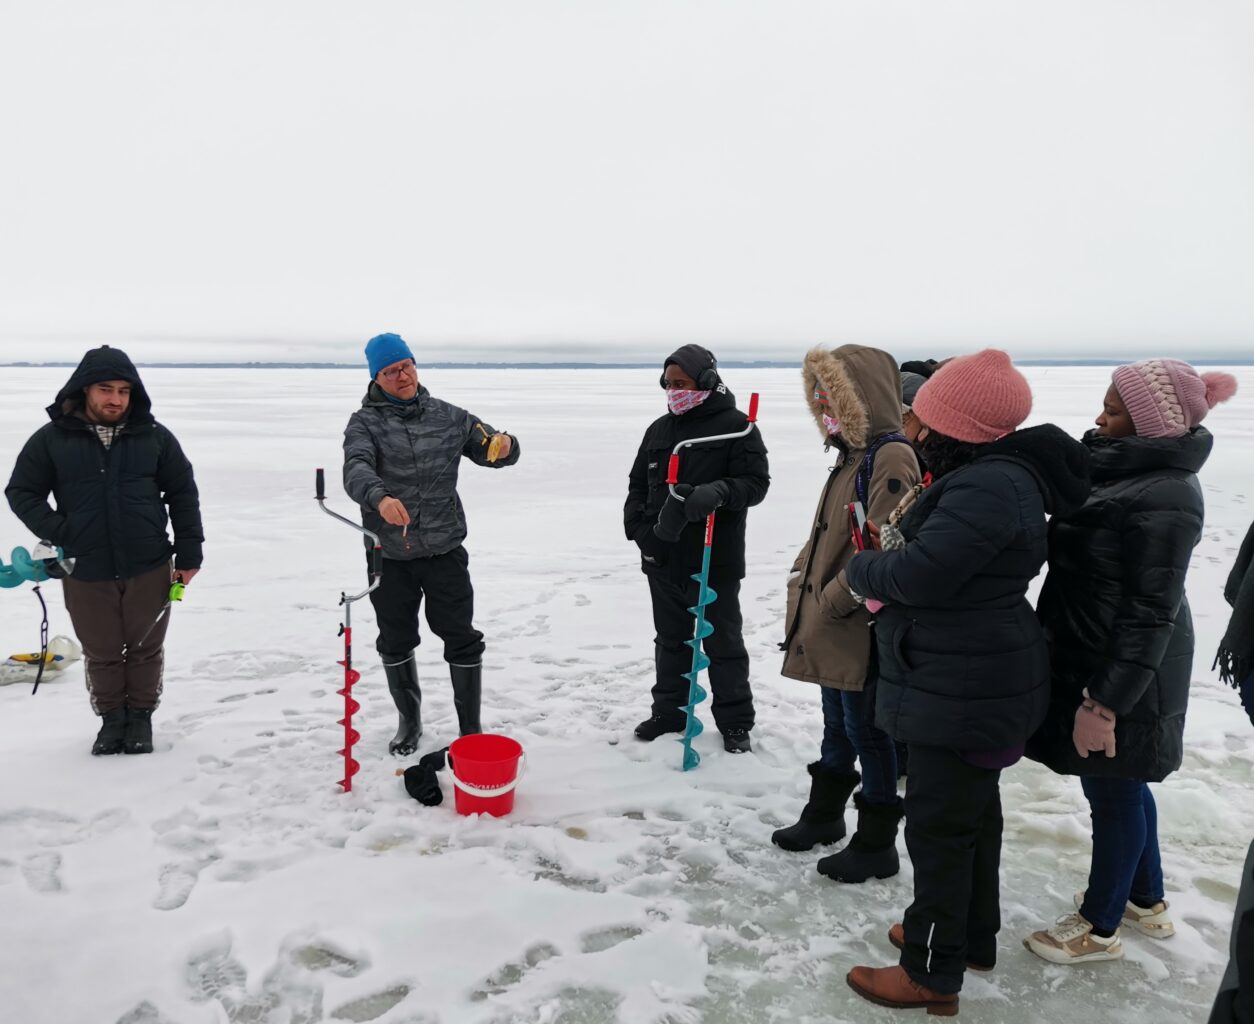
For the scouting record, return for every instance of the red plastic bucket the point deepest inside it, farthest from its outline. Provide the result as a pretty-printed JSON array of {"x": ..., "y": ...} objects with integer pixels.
[{"x": 486, "y": 770}]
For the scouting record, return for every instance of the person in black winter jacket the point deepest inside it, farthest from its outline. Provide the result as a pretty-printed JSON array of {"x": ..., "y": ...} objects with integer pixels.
[
  {"x": 964, "y": 675},
  {"x": 1121, "y": 642},
  {"x": 1235, "y": 658},
  {"x": 727, "y": 476},
  {"x": 118, "y": 478}
]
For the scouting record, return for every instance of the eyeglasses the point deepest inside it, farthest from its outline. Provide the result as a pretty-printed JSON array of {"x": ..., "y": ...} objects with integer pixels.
[
  {"x": 674, "y": 385},
  {"x": 392, "y": 372},
  {"x": 820, "y": 396}
]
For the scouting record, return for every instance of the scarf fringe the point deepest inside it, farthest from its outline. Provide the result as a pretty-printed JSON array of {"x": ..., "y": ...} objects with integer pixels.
[{"x": 1234, "y": 669}]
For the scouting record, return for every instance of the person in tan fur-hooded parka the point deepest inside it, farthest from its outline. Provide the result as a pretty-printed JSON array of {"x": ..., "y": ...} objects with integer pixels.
[{"x": 854, "y": 394}]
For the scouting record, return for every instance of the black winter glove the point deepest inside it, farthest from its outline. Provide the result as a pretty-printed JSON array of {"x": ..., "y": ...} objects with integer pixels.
[
  {"x": 420, "y": 779},
  {"x": 705, "y": 499},
  {"x": 672, "y": 519}
]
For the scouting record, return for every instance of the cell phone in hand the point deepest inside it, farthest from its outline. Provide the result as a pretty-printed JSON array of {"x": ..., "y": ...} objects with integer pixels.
[{"x": 857, "y": 525}]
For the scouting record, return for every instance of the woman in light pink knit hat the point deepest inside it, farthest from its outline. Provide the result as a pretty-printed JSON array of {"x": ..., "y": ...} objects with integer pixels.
[
  {"x": 1121, "y": 643},
  {"x": 963, "y": 668}
]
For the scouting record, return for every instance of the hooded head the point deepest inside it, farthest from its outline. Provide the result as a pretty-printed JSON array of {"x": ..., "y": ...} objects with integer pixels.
[
  {"x": 858, "y": 387},
  {"x": 697, "y": 363},
  {"x": 1167, "y": 397},
  {"x": 99, "y": 365}
]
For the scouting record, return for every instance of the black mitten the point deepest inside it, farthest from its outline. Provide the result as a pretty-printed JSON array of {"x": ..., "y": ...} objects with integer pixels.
[
  {"x": 672, "y": 519},
  {"x": 705, "y": 499},
  {"x": 435, "y": 760},
  {"x": 422, "y": 785}
]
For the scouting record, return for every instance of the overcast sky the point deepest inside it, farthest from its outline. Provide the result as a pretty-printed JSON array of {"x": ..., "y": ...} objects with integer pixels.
[{"x": 281, "y": 179}]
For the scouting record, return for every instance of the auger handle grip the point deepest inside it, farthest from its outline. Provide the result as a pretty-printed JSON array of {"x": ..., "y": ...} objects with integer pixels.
[{"x": 320, "y": 484}]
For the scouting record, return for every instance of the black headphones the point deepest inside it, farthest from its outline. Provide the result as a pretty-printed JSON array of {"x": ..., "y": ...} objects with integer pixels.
[{"x": 707, "y": 379}]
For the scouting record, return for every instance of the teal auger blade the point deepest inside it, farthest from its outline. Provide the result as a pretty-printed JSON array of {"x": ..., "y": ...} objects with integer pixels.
[
  {"x": 700, "y": 631},
  {"x": 700, "y": 662},
  {"x": 694, "y": 728},
  {"x": 691, "y": 758}
]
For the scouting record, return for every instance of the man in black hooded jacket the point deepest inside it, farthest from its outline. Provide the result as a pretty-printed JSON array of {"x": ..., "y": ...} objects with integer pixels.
[
  {"x": 728, "y": 476},
  {"x": 114, "y": 471}
]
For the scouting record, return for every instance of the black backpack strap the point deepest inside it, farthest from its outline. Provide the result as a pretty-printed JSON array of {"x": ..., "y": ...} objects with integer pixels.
[{"x": 862, "y": 481}]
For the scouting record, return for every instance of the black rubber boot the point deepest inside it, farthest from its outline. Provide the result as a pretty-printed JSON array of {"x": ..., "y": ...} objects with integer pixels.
[
  {"x": 111, "y": 739},
  {"x": 823, "y": 817},
  {"x": 402, "y": 679},
  {"x": 653, "y": 727},
  {"x": 467, "y": 694},
  {"x": 139, "y": 730},
  {"x": 736, "y": 741},
  {"x": 872, "y": 852}
]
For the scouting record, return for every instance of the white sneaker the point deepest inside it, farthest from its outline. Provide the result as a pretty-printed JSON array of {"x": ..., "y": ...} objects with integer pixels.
[
  {"x": 1153, "y": 922},
  {"x": 1071, "y": 941}
]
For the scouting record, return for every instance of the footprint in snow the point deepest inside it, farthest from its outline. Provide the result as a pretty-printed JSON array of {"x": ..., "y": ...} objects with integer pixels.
[{"x": 42, "y": 872}]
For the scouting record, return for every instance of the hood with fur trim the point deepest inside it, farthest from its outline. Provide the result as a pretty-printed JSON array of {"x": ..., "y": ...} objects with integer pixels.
[{"x": 863, "y": 386}]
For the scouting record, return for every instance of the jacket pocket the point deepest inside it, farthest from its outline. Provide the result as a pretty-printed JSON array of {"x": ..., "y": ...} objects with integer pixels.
[{"x": 899, "y": 644}]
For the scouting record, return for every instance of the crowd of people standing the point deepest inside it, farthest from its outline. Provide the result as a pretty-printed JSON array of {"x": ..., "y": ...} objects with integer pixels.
[{"x": 907, "y": 602}]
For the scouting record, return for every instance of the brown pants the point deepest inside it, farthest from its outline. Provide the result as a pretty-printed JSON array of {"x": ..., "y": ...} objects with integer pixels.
[{"x": 124, "y": 666}]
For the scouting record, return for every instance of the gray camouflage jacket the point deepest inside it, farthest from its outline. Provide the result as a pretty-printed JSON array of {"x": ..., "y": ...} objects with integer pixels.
[{"x": 412, "y": 453}]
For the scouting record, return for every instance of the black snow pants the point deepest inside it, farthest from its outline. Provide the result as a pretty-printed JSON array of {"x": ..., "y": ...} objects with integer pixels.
[
  {"x": 444, "y": 580},
  {"x": 732, "y": 705},
  {"x": 953, "y": 833}
]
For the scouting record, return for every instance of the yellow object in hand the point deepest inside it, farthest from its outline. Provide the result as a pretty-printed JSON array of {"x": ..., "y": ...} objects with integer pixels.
[{"x": 494, "y": 447}]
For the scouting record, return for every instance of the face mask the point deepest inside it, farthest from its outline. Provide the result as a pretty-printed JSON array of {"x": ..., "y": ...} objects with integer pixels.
[
  {"x": 680, "y": 402},
  {"x": 832, "y": 425}
]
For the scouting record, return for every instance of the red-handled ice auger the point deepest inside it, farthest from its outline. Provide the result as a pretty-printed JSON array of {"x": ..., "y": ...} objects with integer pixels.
[{"x": 351, "y": 675}]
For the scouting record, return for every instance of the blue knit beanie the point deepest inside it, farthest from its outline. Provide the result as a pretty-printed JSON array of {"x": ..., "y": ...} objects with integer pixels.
[{"x": 385, "y": 349}]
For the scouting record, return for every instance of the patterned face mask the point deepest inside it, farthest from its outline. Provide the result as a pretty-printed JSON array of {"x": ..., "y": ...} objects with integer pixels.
[
  {"x": 680, "y": 402},
  {"x": 832, "y": 424}
]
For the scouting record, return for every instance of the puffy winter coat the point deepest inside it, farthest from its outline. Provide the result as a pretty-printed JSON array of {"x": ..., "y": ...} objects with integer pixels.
[
  {"x": 828, "y": 634},
  {"x": 963, "y": 663},
  {"x": 1113, "y": 605},
  {"x": 741, "y": 463},
  {"x": 111, "y": 503},
  {"x": 412, "y": 452}
]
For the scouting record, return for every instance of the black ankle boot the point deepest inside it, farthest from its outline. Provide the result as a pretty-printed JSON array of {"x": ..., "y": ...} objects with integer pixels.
[
  {"x": 655, "y": 725},
  {"x": 111, "y": 739},
  {"x": 402, "y": 679},
  {"x": 467, "y": 693},
  {"x": 139, "y": 730},
  {"x": 823, "y": 817},
  {"x": 872, "y": 852}
]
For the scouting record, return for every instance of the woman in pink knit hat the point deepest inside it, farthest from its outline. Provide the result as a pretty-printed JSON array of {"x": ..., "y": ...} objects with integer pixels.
[
  {"x": 1121, "y": 643},
  {"x": 964, "y": 673}
]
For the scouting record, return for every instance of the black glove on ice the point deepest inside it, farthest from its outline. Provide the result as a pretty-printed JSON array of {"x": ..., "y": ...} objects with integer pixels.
[
  {"x": 420, "y": 780},
  {"x": 672, "y": 519},
  {"x": 705, "y": 499}
]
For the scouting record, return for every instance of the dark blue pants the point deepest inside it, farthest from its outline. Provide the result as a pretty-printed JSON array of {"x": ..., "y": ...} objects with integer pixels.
[
  {"x": 849, "y": 734},
  {"x": 1247, "y": 696},
  {"x": 1126, "y": 864}
]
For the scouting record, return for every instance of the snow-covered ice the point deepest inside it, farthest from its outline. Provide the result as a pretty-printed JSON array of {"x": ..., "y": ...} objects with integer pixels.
[{"x": 226, "y": 878}]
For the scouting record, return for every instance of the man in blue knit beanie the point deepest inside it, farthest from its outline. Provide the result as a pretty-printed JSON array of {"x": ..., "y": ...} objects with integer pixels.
[{"x": 402, "y": 450}]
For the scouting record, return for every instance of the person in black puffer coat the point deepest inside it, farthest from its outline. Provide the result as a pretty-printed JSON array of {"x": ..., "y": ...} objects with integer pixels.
[
  {"x": 1235, "y": 657},
  {"x": 728, "y": 476},
  {"x": 964, "y": 674},
  {"x": 118, "y": 478},
  {"x": 1121, "y": 642}
]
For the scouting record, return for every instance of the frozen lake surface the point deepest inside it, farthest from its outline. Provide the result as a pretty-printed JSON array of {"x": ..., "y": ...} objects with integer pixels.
[{"x": 226, "y": 878}]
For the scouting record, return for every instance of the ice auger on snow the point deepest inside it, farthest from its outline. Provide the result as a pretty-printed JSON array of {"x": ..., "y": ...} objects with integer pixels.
[
  {"x": 705, "y": 596},
  {"x": 45, "y": 563},
  {"x": 351, "y": 675}
]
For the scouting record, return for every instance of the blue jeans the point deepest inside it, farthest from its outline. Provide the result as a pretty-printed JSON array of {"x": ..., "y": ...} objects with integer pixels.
[
  {"x": 848, "y": 734},
  {"x": 1126, "y": 863}
]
